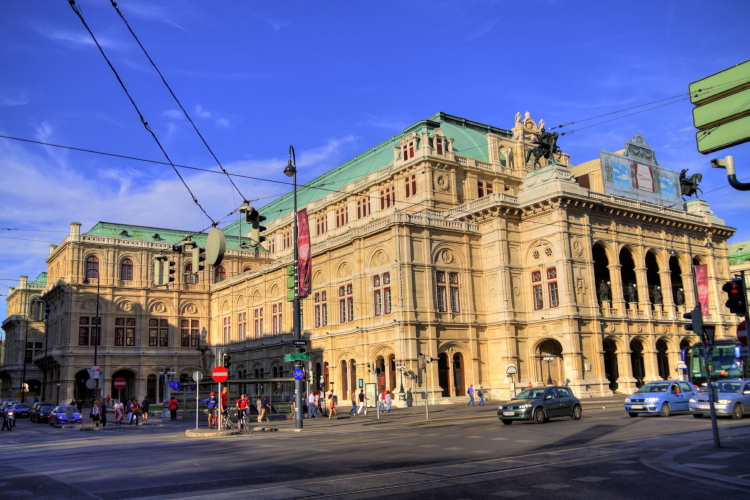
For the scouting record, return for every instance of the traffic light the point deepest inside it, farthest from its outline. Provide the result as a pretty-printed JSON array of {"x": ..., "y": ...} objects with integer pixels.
[
  {"x": 291, "y": 283},
  {"x": 227, "y": 361},
  {"x": 196, "y": 258},
  {"x": 696, "y": 324},
  {"x": 253, "y": 217},
  {"x": 736, "y": 301}
]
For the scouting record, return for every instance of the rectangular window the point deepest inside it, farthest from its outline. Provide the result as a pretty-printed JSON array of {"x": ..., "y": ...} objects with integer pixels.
[
  {"x": 276, "y": 318},
  {"x": 378, "y": 302},
  {"x": 407, "y": 150},
  {"x": 189, "y": 333},
  {"x": 363, "y": 207},
  {"x": 241, "y": 326},
  {"x": 411, "y": 185},
  {"x": 387, "y": 197},
  {"x": 387, "y": 300},
  {"x": 439, "y": 145},
  {"x": 342, "y": 217},
  {"x": 124, "y": 331},
  {"x": 346, "y": 304},
  {"x": 553, "y": 296},
  {"x": 87, "y": 330},
  {"x": 453, "y": 280},
  {"x": 536, "y": 276},
  {"x": 538, "y": 301},
  {"x": 286, "y": 239},
  {"x": 158, "y": 332},
  {"x": 321, "y": 310},
  {"x": 381, "y": 294},
  {"x": 227, "y": 330},
  {"x": 185, "y": 333},
  {"x": 272, "y": 245},
  {"x": 258, "y": 316},
  {"x": 484, "y": 188},
  {"x": 321, "y": 224},
  {"x": 441, "y": 299},
  {"x": 163, "y": 333}
]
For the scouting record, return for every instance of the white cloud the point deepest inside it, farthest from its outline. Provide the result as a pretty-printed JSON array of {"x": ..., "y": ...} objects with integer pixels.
[
  {"x": 43, "y": 132},
  {"x": 201, "y": 113},
  {"x": 21, "y": 100},
  {"x": 77, "y": 38},
  {"x": 173, "y": 114}
]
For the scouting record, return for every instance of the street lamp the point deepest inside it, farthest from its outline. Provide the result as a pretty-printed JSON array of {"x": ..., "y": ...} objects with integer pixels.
[
  {"x": 94, "y": 273},
  {"x": 548, "y": 358},
  {"x": 291, "y": 171},
  {"x": 401, "y": 394},
  {"x": 202, "y": 347}
]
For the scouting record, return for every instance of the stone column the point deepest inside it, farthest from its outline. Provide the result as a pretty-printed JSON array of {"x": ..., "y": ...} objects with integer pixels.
[{"x": 616, "y": 289}]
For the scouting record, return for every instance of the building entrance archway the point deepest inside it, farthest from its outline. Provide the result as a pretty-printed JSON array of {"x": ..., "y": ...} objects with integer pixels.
[
  {"x": 129, "y": 391},
  {"x": 444, "y": 374},
  {"x": 611, "y": 370},
  {"x": 459, "y": 381},
  {"x": 636, "y": 360},
  {"x": 554, "y": 369},
  {"x": 662, "y": 359}
]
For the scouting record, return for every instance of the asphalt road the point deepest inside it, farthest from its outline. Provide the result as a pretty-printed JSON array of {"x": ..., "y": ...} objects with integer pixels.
[{"x": 604, "y": 455}]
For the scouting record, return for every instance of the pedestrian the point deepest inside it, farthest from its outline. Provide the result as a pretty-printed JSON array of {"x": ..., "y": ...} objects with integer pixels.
[
  {"x": 6, "y": 420},
  {"x": 173, "y": 405},
  {"x": 362, "y": 406},
  {"x": 136, "y": 407},
  {"x": 108, "y": 400},
  {"x": 263, "y": 410},
  {"x": 129, "y": 409},
  {"x": 381, "y": 401},
  {"x": 103, "y": 412},
  {"x": 387, "y": 401},
  {"x": 79, "y": 405},
  {"x": 331, "y": 406},
  {"x": 319, "y": 405},
  {"x": 145, "y": 405},
  {"x": 95, "y": 413},
  {"x": 311, "y": 406},
  {"x": 119, "y": 413},
  {"x": 224, "y": 403},
  {"x": 292, "y": 406},
  {"x": 471, "y": 395},
  {"x": 304, "y": 405},
  {"x": 353, "y": 411},
  {"x": 480, "y": 395}
]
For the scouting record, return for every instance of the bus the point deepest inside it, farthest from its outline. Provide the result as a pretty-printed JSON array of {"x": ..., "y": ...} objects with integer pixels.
[{"x": 725, "y": 362}]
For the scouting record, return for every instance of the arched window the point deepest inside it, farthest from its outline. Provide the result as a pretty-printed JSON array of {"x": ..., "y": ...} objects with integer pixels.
[
  {"x": 92, "y": 267},
  {"x": 220, "y": 274},
  {"x": 126, "y": 270}
]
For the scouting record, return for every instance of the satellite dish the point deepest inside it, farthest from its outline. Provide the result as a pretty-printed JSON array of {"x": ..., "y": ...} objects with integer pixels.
[{"x": 216, "y": 244}]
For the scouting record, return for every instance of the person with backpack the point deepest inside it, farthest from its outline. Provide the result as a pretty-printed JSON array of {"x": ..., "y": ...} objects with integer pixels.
[{"x": 173, "y": 405}]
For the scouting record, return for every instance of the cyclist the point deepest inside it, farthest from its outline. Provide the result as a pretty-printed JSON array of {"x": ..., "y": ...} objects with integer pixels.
[
  {"x": 212, "y": 403},
  {"x": 242, "y": 407}
]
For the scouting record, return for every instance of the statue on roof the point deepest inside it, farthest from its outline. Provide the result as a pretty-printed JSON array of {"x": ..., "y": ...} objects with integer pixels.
[
  {"x": 689, "y": 185},
  {"x": 546, "y": 147}
]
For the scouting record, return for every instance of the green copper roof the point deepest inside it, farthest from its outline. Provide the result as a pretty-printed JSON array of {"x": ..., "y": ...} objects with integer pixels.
[
  {"x": 738, "y": 253},
  {"x": 155, "y": 234},
  {"x": 470, "y": 139},
  {"x": 40, "y": 280}
]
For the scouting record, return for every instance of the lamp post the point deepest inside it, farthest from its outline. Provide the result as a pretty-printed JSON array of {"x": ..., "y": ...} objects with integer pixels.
[
  {"x": 401, "y": 394},
  {"x": 548, "y": 358},
  {"x": 291, "y": 171},
  {"x": 97, "y": 327}
]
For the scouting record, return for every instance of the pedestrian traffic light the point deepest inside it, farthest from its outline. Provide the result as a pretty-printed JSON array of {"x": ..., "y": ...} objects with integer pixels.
[
  {"x": 736, "y": 301},
  {"x": 291, "y": 283},
  {"x": 253, "y": 217},
  {"x": 196, "y": 258},
  {"x": 696, "y": 321},
  {"x": 227, "y": 361}
]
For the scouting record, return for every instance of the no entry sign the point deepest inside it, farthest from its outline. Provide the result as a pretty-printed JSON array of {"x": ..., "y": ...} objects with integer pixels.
[
  {"x": 220, "y": 374},
  {"x": 119, "y": 383},
  {"x": 742, "y": 333}
]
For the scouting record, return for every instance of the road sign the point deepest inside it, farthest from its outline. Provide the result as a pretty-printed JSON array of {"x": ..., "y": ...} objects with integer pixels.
[
  {"x": 220, "y": 374},
  {"x": 722, "y": 113},
  {"x": 197, "y": 376},
  {"x": 91, "y": 383},
  {"x": 300, "y": 342},
  {"x": 94, "y": 372},
  {"x": 296, "y": 356},
  {"x": 299, "y": 374},
  {"x": 742, "y": 333},
  {"x": 744, "y": 351},
  {"x": 175, "y": 385},
  {"x": 511, "y": 370},
  {"x": 119, "y": 383}
]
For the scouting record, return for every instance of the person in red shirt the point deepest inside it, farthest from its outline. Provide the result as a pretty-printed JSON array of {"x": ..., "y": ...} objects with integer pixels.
[
  {"x": 242, "y": 407},
  {"x": 223, "y": 397}
]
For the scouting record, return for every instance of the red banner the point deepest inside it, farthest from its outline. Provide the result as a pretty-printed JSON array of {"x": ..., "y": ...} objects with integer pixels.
[
  {"x": 701, "y": 280},
  {"x": 304, "y": 266}
]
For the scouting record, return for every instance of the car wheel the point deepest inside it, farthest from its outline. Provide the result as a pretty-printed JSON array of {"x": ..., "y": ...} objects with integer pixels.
[
  {"x": 665, "y": 410},
  {"x": 737, "y": 413},
  {"x": 507, "y": 422},
  {"x": 577, "y": 412},
  {"x": 539, "y": 417},
  {"x": 632, "y": 414},
  {"x": 697, "y": 415}
]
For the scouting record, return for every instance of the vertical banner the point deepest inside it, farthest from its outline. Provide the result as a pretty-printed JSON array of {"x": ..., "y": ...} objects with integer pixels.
[
  {"x": 701, "y": 280},
  {"x": 304, "y": 268}
]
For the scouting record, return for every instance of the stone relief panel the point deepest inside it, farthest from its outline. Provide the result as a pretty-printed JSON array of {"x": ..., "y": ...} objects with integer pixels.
[{"x": 345, "y": 271}]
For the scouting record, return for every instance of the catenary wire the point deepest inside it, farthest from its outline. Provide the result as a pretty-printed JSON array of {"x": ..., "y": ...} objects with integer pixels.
[{"x": 78, "y": 12}]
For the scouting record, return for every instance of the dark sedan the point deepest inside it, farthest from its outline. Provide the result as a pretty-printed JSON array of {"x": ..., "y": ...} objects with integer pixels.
[
  {"x": 540, "y": 404},
  {"x": 22, "y": 410},
  {"x": 41, "y": 412}
]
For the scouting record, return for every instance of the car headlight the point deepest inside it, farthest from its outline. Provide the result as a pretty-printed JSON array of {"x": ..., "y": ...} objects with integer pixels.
[
  {"x": 692, "y": 400},
  {"x": 724, "y": 401},
  {"x": 627, "y": 400},
  {"x": 651, "y": 400},
  {"x": 527, "y": 405}
]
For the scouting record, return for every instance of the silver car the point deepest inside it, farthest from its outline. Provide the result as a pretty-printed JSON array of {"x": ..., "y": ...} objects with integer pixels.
[{"x": 733, "y": 398}]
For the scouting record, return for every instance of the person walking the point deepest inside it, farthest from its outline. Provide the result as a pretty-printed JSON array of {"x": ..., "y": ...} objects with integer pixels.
[
  {"x": 173, "y": 405},
  {"x": 145, "y": 405},
  {"x": 119, "y": 413},
  {"x": 387, "y": 401},
  {"x": 381, "y": 401},
  {"x": 319, "y": 406},
  {"x": 480, "y": 395},
  {"x": 95, "y": 413},
  {"x": 304, "y": 406},
  {"x": 263, "y": 410},
  {"x": 331, "y": 406},
  {"x": 136, "y": 411},
  {"x": 129, "y": 407},
  {"x": 103, "y": 412},
  {"x": 362, "y": 406},
  {"x": 471, "y": 395},
  {"x": 292, "y": 406},
  {"x": 353, "y": 411}
]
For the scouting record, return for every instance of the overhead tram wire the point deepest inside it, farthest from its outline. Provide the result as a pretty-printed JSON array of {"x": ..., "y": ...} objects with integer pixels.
[
  {"x": 78, "y": 12},
  {"x": 117, "y": 9}
]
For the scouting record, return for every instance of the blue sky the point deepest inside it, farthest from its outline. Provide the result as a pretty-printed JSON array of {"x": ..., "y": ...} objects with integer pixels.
[{"x": 334, "y": 79}]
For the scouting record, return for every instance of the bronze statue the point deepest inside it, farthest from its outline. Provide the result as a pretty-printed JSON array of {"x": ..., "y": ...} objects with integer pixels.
[
  {"x": 632, "y": 293},
  {"x": 689, "y": 185},
  {"x": 603, "y": 291},
  {"x": 657, "y": 295},
  {"x": 546, "y": 147}
]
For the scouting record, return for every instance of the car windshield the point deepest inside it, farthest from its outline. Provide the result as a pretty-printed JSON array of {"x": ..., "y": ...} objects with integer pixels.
[
  {"x": 46, "y": 407},
  {"x": 531, "y": 394},
  {"x": 728, "y": 386},
  {"x": 21, "y": 406},
  {"x": 655, "y": 387}
]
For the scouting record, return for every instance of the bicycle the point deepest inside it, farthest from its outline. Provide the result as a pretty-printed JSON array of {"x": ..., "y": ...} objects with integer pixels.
[
  {"x": 243, "y": 423},
  {"x": 226, "y": 421}
]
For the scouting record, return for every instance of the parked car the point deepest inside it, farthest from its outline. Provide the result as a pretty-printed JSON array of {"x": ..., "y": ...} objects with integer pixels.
[
  {"x": 733, "y": 398},
  {"x": 22, "y": 410},
  {"x": 540, "y": 404},
  {"x": 40, "y": 412},
  {"x": 65, "y": 415},
  {"x": 664, "y": 398}
]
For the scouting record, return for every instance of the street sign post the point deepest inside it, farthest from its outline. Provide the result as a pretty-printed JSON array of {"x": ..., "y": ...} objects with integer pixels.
[
  {"x": 119, "y": 383},
  {"x": 742, "y": 333},
  {"x": 722, "y": 112},
  {"x": 296, "y": 356},
  {"x": 299, "y": 342},
  {"x": 220, "y": 374}
]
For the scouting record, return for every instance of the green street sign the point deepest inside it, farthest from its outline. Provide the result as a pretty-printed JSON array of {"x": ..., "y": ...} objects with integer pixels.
[
  {"x": 722, "y": 108},
  {"x": 296, "y": 356}
]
